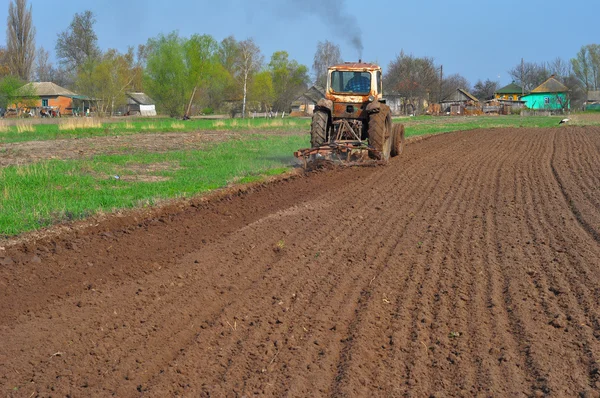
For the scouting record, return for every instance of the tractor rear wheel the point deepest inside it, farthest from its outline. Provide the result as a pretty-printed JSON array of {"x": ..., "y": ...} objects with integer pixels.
[
  {"x": 397, "y": 139},
  {"x": 318, "y": 128},
  {"x": 380, "y": 134}
]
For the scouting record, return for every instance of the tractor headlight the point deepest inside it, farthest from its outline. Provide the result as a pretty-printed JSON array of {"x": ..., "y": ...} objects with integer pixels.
[{"x": 371, "y": 98}]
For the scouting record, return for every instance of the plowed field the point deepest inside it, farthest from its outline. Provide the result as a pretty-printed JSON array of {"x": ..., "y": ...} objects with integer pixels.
[{"x": 469, "y": 266}]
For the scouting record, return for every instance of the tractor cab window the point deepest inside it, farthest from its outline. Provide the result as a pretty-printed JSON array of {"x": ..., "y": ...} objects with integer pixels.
[
  {"x": 379, "y": 83},
  {"x": 351, "y": 82}
]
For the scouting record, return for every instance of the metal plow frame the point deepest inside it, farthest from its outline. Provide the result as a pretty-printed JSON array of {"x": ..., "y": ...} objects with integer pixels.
[{"x": 344, "y": 152}]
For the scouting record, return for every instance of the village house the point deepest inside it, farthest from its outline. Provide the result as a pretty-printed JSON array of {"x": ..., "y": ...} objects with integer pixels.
[
  {"x": 460, "y": 102},
  {"x": 305, "y": 104},
  {"x": 550, "y": 95},
  {"x": 512, "y": 92},
  {"x": 505, "y": 100},
  {"x": 592, "y": 102},
  {"x": 47, "y": 98}
]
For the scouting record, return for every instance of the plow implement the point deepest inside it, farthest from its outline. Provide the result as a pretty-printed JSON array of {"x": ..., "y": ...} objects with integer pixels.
[{"x": 347, "y": 153}]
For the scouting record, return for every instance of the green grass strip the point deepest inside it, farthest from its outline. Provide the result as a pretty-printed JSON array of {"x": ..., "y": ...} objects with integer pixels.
[{"x": 49, "y": 192}]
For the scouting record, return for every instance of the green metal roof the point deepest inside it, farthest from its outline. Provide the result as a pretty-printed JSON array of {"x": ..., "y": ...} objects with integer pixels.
[{"x": 512, "y": 88}]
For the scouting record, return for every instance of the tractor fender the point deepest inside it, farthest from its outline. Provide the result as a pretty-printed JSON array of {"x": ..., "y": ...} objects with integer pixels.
[
  {"x": 373, "y": 107},
  {"x": 324, "y": 105}
]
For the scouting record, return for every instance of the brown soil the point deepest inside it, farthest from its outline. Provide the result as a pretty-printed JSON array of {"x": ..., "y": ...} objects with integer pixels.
[{"x": 469, "y": 266}]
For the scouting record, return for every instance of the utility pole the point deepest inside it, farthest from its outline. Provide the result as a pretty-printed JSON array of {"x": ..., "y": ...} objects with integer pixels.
[
  {"x": 522, "y": 73},
  {"x": 441, "y": 82}
]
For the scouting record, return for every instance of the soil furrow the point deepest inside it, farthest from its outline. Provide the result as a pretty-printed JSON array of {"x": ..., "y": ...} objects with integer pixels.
[{"x": 466, "y": 267}]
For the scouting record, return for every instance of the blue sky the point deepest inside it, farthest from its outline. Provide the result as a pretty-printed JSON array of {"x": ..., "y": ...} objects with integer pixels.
[{"x": 478, "y": 39}]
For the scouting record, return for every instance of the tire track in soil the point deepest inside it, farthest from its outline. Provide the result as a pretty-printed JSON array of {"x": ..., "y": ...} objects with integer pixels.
[
  {"x": 375, "y": 269},
  {"x": 326, "y": 343},
  {"x": 439, "y": 362},
  {"x": 580, "y": 171},
  {"x": 384, "y": 339}
]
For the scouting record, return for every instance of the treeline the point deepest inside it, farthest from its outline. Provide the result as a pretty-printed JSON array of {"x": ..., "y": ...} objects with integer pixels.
[
  {"x": 198, "y": 74},
  {"x": 184, "y": 75}
]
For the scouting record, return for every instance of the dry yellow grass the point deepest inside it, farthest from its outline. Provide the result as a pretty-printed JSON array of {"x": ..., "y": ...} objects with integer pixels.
[
  {"x": 218, "y": 123},
  {"x": 25, "y": 127},
  {"x": 78, "y": 123},
  {"x": 128, "y": 126},
  {"x": 150, "y": 126},
  {"x": 177, "y": 125},
  {"x": 3, "y": 127}
]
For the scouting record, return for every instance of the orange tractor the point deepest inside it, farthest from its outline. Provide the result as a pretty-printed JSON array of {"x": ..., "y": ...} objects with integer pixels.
[{"x": 352, "y": 123}]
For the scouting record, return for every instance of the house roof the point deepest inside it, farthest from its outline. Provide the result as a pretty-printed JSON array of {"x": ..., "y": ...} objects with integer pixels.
[
  {"x": 313, "y": 94},
  {"x": 47, "y": 89},
  {"x": 512, "y": 88},
  {"x": 470, "y": 96},
  {"x": 141, "y": 98},
  {"x": 551, "y": 85},
  {"x": 593, "y": 96}
]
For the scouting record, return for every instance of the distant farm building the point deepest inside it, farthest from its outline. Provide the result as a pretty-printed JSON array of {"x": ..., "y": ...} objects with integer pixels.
[
  {"x": 550, "y": 95},
  {"x": 592, "y": 102},
  {"x": 505, "y": 100},
  {"x": 139, "y": 104},
  {"x": 304, "y": 105},
  {"x": 512, "y": 92},
  {"x": 460, "y": 102}
]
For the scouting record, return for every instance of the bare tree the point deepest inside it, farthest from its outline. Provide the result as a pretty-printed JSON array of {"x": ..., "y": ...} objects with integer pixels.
[
  {"x": 78, "y": 44},
  {"x": 559, "y": 68},
  {"x": 20, "y": 38},
  {"x": 414, "y": 78},
  {"x": 485, "y": 90},
  {"x": 327, "y": 54},
  {"x": 250, "y": 60},
  {"x": 453, "y": 82},
  {"x": 4, "y": 68},
  {"x": 529, "y": 75},
  {"x": 43, "y": 70},
  {"x": 586, "y": 66}
]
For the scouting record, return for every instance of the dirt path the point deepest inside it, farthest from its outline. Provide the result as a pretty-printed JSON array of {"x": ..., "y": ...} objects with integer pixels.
[{"x": 467, "y": 267}]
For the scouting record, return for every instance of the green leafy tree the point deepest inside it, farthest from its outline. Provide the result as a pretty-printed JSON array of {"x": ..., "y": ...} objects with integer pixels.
[
  {"x": 182, "y": 71},
  {"x": 290, "y": 79},
  {"x": 110, "y": 79},
  {"x": 14, "y": 92},
  {"x": 166, "y": 73},
  {"x": 262, "y": 90},
  {"x": 9, "y": 86},
  {"x": 201, "y": 63}
]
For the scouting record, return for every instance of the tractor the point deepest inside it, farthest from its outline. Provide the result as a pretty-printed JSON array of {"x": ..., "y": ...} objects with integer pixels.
[{"x": 353, "y": 124}]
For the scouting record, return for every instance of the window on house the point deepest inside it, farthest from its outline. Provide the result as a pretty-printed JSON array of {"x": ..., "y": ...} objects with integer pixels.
[
  {"x": 45, "y": 102},
  {"x": 546, "y": 100}
]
